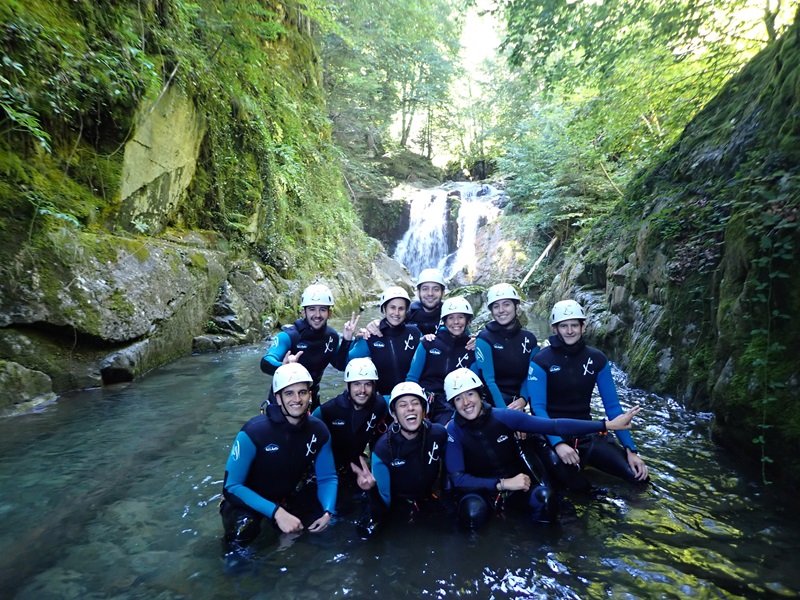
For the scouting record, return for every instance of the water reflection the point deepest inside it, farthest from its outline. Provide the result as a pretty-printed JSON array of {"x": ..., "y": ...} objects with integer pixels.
[{"x": 113, "y": 493}]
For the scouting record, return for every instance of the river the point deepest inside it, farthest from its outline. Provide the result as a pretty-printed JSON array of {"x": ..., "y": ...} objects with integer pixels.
[{"x": 113, "y": 493}]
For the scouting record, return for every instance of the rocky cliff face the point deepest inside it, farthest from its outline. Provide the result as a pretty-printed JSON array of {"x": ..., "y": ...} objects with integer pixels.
[
  {"x": 692, "y": 287},
  {"x": 184, "y": 209}
]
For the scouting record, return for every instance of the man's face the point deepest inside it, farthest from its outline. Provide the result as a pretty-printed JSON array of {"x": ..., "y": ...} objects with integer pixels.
[
  {"x": 570, "y": 330},
  {"x": 317, "y": 316},
  {"x": 295, "y": 399},
  {"x": 430, "y": 295},
  {"x": 360, "y": 391}
]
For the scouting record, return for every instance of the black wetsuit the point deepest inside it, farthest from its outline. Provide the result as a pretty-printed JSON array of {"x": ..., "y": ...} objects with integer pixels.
[
  {"x": 392, "y": 353},
  {"x": 268, "y": 460},
  {"x": 426, "y": 322},
  {"x": 560, "y": 384},
  {"x": 503, "y": 356},
  {"x": 432, "y": 362}
]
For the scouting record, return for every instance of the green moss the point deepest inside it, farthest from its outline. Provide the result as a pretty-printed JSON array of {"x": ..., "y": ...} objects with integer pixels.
[{"x": 199, "y": 260}]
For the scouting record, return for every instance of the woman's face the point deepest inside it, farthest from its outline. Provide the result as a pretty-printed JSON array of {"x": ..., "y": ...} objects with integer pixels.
[
  {"x": 395, "y": 311},
  {"x": 408, "y": 412},
  {"x": 504, "y": 312},
  {"x": 456, "y": 323},
  {"x": 468, "y": 404}
]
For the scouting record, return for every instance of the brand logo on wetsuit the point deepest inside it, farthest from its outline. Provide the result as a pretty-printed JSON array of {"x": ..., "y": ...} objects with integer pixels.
[
  {"x": 498, "y": 347},
  {"x": 371, "y": 422},
  {"x": 502, "y": 439},
  {"x": 398, "y": 462},
  {"x": 435, "y": 351},
  {"x": 274, "y": 343},
  {"x": 302, "y": 346},
  {"x": 461, "y": 361},
  {"x": 479, "y": 354},
  {"x": 235, "y": 451},
  {"x": 329, "y": 345},
  {"x": 409, "y": 345},
  {"x": 432, "y": 454},
  {"x": 525, "y": 349},
  {"x": 272, "y": 448},
  {"x": 338, "y": 422},
  {"x": 379, "y": 344},
  {"x": 588, "y": 364},
  {"x": 555, "y": 369},
  {"x": 311, "y": 443}
]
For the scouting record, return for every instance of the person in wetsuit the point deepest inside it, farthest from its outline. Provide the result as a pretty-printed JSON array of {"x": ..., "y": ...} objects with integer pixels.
[
  {"x": 434, "y": 359},
  {"x": 560, "y": 384},
  {"x": 504, "y": 350},
  {"x": 393, "y": 350},
  {"x": 425, "y": 312},
  {"x": 356, "y": 418},
  {"x": 310, "y": 341},
  {"x": 488, "y": 467},
  {"x": 407, "y": 462},
  {"x": 271, "y": 456}
]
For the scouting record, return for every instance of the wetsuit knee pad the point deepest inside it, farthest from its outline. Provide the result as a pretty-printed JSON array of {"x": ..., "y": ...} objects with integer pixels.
[
  {"x": 473, "y": 511},
  {"x": 544, "y": 504}
]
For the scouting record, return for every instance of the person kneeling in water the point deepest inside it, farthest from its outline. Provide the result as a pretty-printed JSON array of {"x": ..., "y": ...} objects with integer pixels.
[{"x": 483, "y": 458}]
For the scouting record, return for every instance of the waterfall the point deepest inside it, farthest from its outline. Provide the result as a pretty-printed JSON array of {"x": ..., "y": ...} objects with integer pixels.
[{"x": 429, "y": 240}]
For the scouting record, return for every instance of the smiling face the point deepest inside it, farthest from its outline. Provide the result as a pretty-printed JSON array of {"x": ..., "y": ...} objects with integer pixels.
[
  {"x": 395, "y": 311},
  {"x": 408, "y": 412},
  {"x": 570, "y": 330},
  {"x": 456, "y": 323},
  {"x": 504, "y": 311},
  {"x": 294, "y": 400},
  {"x": 468, "y": 404},
  {"x": 360, "y": 391},
  {"x": 317, "y": 316},
  {"x": 430, "y": 295}
]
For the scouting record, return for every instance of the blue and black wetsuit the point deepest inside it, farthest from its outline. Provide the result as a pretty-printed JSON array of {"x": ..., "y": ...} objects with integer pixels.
[
  {"x": 560, "y": 384},
  {"x": 320, "y": 348},
  {"x": 432, "y": 362},
  {"x": 391, "y": 354},
  {"x": 426, "y": 322},
  {"x": 352, "y": 430},
  {"x": 408, "y": 472},
  {"x": 503, "y": 356},
  {"x": 269, "y": 459},
  {"x": 482, "y": 451}
]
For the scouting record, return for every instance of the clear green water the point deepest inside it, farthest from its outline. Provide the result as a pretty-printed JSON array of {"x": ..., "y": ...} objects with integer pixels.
[{"x": 113, "y": 494}]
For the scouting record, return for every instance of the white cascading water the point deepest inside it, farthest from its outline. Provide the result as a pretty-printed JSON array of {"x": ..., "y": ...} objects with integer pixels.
[{"x": 424, "y": 245}]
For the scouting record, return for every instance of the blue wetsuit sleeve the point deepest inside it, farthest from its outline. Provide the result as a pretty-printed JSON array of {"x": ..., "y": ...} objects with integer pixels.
[
  {"x": 417, "y": 364},
  {"x": 327, "y": 481},
  {"x": 358, "y": 350},
  {"x": 380, "y": 471},
  {"x": 608, "y": 394},
  {"x": 520, "y": 421},
  {"x": 317, "y": 413},
  {"x": 454, "y": 461},
  {"x": 484, "y": 362},
  {"x": 537, "y": 396},
  {"x": 281, "y": 344},
  {"x": 238, "y": 466}
]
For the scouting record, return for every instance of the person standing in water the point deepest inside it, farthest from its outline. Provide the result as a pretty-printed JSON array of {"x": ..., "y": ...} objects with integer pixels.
[{"x": 561, "y": 380}]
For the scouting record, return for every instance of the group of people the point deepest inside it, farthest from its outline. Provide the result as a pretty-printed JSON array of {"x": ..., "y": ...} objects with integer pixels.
[{"x": 444, "y": 416}]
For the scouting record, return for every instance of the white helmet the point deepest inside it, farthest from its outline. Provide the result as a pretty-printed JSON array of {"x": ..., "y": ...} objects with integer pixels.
[
  {"x": 459, "y": 381},
  {"x": 566, "y": 310},
  {"x": 457, "y": 304},
  {"x": 430, "y": 276},
  {"x": 317, "y": 295},
  {"x": 288, "y": 374},
  {"x": 407, "y": 388},
  {"x": 501, "y": 291},
  {"x": 360, "y": 369},
  {"x": 393, "y": 292}
]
